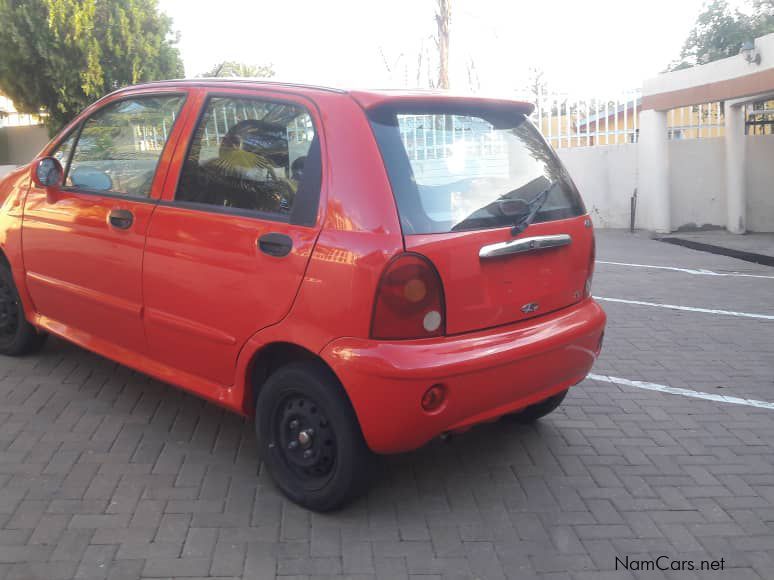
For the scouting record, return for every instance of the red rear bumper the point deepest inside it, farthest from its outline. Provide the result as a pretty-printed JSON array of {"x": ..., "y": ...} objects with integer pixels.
[{"x": 486, "y": 374}]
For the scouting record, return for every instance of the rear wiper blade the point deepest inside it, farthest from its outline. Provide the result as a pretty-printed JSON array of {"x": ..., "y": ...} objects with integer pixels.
[{"x": 534, "y": 204}]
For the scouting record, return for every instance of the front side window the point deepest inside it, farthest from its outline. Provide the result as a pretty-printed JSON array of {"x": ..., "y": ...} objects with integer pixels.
[
  {"x": 252, "y": 155},
  {"x": 455, "y": 168},
  {"x": 120, "y": 145}
]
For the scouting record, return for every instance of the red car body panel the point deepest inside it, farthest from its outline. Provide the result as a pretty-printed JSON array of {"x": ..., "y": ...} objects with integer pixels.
[
  {"x": 13, "y": 190},
  {"x": 205, "y": 281},
  {"x": 371, "y": 99},
  {"x": 487, "y": 293},
  {"x": 486, "y": 374},
  {"x": 186, "y": 296},
  {"x": 68, "y": 248}
]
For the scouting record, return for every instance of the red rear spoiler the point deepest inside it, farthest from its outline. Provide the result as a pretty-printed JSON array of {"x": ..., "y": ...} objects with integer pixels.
[{"x": 374, "y": 99}]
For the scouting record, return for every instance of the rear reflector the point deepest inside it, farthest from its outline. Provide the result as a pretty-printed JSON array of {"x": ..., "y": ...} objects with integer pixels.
[
  {"x": 432, "y": 321},
  {"x": 434, "y": 398}
]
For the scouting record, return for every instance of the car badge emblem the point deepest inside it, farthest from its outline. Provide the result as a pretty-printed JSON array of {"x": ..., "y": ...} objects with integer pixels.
[{"x": 530, "y": 307}]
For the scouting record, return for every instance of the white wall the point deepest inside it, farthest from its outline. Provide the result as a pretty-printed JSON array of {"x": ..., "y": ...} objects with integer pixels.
[
  {"x": 697, "y": 182},
  {"x": 760, "y": 183},
  {"x": 18, "y": 145},
  {"x": 606, "y": 177},
  {"x": 713, "y": 72}
]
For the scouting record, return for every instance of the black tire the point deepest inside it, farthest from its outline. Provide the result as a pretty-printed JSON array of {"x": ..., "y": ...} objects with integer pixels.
[
  {"x": 541, "y": 409},
  {"x": 310, "y": 439},
  {"x": 17, "y": 336}
]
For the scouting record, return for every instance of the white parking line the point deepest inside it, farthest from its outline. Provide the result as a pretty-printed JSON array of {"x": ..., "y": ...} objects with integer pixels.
[
  {"x": 684, "y": 392},
  {"x": 688, "y": 308},
  {"x": 699, "y": 272}
]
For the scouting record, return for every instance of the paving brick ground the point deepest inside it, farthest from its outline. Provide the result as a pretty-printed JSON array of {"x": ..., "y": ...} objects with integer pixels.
[{"x": 105, "y": 473}]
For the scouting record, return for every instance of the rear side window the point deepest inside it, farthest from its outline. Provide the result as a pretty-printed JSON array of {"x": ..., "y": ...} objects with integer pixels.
[
  {"x": 119, "y": 146},
  {"x": 456, "y": 169},
  {"x": 253, "y": 155}
]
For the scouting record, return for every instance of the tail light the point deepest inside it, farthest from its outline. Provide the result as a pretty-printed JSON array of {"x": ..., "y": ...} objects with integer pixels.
[
  {"x": 592, "y": 259},
  {"x": 409, "y": 300}
]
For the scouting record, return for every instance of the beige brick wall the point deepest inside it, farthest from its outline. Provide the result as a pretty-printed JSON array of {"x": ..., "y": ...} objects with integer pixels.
[{"x": 18, "y": 145}]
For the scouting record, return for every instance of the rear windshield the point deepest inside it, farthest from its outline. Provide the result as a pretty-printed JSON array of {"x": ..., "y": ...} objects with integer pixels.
[{"x": 456, "y": 169}]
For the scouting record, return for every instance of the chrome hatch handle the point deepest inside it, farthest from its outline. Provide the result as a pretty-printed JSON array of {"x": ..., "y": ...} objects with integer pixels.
[{"x": 524, "y": 245}]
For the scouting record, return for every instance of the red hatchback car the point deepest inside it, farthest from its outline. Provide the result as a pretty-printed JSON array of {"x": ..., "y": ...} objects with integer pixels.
[{"x": 359, "y": 271}]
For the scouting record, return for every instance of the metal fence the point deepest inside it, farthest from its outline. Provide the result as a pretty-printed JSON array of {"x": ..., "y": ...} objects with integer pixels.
[
  {"x": 614, "y": 120},
  {"x": 567, "y": 121},
  {"x": 10, "y": 117},
  {"x": 564, "y": 122},
  {"x": 759, "y": 118},
  {"x": 696, "y": 122}
]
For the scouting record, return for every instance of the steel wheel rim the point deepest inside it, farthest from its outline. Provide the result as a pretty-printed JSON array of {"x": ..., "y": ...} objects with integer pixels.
[{"x": 305, "y": 439}]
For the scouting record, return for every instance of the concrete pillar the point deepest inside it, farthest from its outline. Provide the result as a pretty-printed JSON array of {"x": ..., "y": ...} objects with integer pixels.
[
  {"x": 653, "y": 170},
  {"x": 736, "y": 187}
]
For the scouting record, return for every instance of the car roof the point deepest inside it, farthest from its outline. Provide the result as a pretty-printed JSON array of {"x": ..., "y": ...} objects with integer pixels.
[
  {"x": 229, "y": 82},
  {"x": 367, "y": 98}
]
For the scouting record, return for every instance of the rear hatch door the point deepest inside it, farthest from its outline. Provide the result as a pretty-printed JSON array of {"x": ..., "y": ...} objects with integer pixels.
[
  {"x": 540, "y": 271},
  {"x": 465, "y": 177}
]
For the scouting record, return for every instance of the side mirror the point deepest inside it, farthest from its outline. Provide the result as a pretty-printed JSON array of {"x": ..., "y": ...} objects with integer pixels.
[{"x": 47, "y": 172}]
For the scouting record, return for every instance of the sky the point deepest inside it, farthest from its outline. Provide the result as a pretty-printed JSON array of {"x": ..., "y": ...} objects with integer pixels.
[{"x": 585, "y": 48}]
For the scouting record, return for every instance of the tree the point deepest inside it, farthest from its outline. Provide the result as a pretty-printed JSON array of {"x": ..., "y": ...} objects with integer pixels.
[
  {"x": 536, "y": 86},
  {"x": 443, "y": 21},
  {"x": 474, "y": 81},
  {"x": 720, "y": 31},
  {"x": 230, "y": 68},
  {"x": 425, "y": 61},
  {"x": 61, "y": 55}
]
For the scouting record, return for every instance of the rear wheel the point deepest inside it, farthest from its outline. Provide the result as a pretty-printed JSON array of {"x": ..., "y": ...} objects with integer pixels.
[
  {"x": 310, "y": 438},
  {"x": 17, "y": 336},
  {"x": 541, "y": 409}
]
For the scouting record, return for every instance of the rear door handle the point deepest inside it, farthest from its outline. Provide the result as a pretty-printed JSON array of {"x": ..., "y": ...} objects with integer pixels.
[
  {"x": 121, "y": 218},
  {"x": 277, "y": 245}
]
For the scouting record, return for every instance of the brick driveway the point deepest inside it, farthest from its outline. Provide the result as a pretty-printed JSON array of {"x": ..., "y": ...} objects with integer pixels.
[{"x": 105, "y": 473}]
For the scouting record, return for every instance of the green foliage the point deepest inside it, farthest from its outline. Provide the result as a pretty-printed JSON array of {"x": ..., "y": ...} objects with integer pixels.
[
  {"x": 61, "y": 55},
  {"x": 232, "y": 68},
  {"x": 720, "y": 31}
]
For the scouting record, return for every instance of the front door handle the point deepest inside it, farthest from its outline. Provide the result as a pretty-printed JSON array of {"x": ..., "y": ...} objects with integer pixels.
[
  {"x": 121, "y": 218},
  {"x": 277, "y": 245}
]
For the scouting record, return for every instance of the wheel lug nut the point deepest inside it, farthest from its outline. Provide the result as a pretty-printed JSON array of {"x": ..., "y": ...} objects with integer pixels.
[
  {"x": 307, "y": 454},
  {"x": 293, "y": 424}
]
